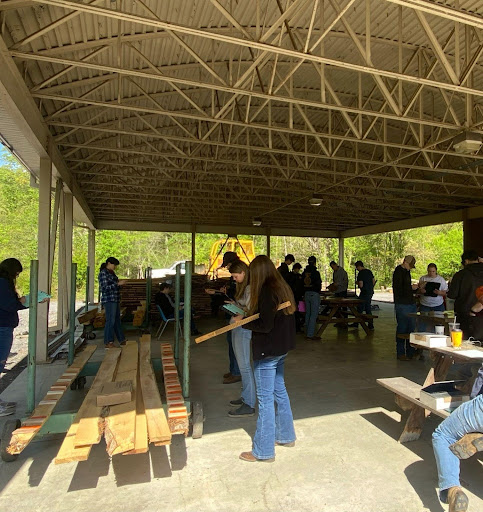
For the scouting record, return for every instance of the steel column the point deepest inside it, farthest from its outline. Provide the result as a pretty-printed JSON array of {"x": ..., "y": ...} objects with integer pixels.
[
  {"x": 187, "y": 329},
  {"x": 177, "y": 301},
  {"x": 73, "y": 279},
  {"x": 341, "y": 252},
  {"x": 32, "y": 343}
]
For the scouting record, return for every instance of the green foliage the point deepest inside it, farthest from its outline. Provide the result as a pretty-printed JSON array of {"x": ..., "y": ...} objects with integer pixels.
[{"x": 138, "y": 250}]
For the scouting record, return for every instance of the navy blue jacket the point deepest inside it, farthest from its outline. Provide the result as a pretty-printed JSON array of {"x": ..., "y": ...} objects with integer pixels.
[{"x": 9, "y": 305}]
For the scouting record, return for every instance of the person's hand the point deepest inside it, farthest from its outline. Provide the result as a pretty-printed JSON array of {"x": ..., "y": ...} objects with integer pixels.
[
  {"x": 46, "y": 299},
  {"x": 237, "y": 318},
  {"x": 209, "y": 291},
  {"x": 23, "y": 299},
  {"x": 223, "y": 289},
  {"x": 415, "y": 286},
  {"x": 229, "y": 302}
]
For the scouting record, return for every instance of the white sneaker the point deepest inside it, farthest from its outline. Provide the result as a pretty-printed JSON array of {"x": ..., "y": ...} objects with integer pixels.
[{"x": 6, "y": 411}]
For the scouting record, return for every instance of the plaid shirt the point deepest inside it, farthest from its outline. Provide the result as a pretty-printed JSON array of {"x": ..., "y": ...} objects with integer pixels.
[{"x": 108, "y": 286}]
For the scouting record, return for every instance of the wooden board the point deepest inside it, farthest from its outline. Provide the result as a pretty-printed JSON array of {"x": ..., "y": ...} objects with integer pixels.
[
  {"x": 120, "y": 423},
  {"x": 141, "y": 434},
  {"x": 177, "y": 412},
  {"x": 158, "y": 429},
  {"x": 410, "y": 391},
  {"x": 24, "y": 435},
  {"x": 236, "y": 324},
  {"x": 68, "y": 452}
]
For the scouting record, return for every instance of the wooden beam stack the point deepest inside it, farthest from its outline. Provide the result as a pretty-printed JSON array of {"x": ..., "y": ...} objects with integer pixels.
[
  {"x": 127, "y": 428},
  {"x": 177, "y": 413}
]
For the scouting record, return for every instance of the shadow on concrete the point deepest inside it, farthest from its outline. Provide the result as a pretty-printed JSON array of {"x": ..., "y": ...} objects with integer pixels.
[{"x": 416, "y": 473}]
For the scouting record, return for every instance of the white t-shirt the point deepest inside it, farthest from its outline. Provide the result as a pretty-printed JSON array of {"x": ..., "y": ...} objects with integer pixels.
[{"x": 433, "y": 301}]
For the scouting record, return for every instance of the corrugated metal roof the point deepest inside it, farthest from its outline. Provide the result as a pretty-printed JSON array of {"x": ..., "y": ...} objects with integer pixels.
[{"x": 171, "y": 126}]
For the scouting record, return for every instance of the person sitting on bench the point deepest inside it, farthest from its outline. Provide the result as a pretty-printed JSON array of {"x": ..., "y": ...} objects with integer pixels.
[
  {"x": 166, "y": 303},
  {"x": 449, "y": 447}
]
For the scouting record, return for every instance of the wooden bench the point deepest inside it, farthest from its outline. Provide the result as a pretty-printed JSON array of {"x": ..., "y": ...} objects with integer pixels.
[
  {"x": 407, "y": 397},
  {"x": 368, "y": 317}
]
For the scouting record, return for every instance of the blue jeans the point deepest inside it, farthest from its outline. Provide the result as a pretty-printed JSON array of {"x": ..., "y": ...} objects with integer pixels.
[
  {"x": 312, "y": 303},
  {"x": 234, "y": 370},
  {"x": 271, "y": 426},
  {"x": 113, "y": 323},
  {"x": 426, "y": 327},
  {"x": 6, "y": 340},
  {"x": 468, "y": 417},
  {"x": 405, "y": 325},
  {"x": 241, "y": 340}
]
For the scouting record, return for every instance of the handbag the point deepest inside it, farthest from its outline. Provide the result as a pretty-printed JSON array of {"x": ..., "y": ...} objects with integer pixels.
[{"x": 301, "y": 306}]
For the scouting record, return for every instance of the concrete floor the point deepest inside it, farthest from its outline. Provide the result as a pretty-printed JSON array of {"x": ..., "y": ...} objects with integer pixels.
[{"x": 346, "y": 458}]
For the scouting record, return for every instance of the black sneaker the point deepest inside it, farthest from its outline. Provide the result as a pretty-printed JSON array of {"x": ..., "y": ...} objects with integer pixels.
[
  {"x": 244, "y": 410},
  {"x": 6, "y": 411},
  {"x": 236, "y": 403}
]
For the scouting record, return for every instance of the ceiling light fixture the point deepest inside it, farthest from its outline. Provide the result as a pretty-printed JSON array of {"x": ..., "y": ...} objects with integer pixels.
[
  {"x": 316, "y": 200},
  {"x": 257, "y": 221},
  {"x": 467, "y": 143}
]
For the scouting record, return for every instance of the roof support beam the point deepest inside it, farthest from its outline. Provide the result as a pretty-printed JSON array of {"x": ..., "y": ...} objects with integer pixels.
[{"x": 205, "y": 34}]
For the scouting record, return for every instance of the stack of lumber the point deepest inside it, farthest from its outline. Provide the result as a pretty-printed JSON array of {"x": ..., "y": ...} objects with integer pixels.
[
  {"x": 31, "y": 426},
  {"x": 139, "y": 314},
  {"x": 99, "y": 320},
  {"x": 128, "y": 428},
  {"x": 177, "y": 412},
  {"x": 133, "y": 292}
]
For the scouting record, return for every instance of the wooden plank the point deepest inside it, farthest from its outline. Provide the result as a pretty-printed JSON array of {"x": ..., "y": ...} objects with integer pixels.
[
  {"x": 158, "y": 429},
  {"x": 68, "y": 452},
  {"x": 236, "y": 324},
  {"x": 141, "y": 434},
  {"x": 21, "y": 438},
  {"x": 177, "y": 412},
  {"x": 120, "y": 423},
  {"x": 409, "y": 390}
]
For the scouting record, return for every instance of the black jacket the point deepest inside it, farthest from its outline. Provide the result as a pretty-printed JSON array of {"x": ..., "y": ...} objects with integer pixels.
[
  {"x": 274, "y": 332},
  {"x": 284, "y": 272},
  {"x": 401, "y": 286},
  {"x": 297, "y": 285},
  {"x": 312, "y": 279},
  {"x": 162, "y": 301},
  {"x": 463, "y": 287},
  {"x": 9, "y": 305}
]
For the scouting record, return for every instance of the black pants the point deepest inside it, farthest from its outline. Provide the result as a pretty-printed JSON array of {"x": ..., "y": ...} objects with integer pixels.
[{"x": 365, "y": 306}]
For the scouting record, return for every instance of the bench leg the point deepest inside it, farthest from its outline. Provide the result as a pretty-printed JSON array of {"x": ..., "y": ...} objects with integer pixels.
[{"x": 414, "y": 425}]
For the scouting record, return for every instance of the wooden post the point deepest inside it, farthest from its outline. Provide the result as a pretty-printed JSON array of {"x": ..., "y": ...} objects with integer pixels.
[
  {"x": 91, "y": 261},
  {"x": 43, "y": 254}
]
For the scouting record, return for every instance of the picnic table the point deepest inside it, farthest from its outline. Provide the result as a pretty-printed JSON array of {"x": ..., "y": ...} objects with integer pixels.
[
  {"x": 407, "y": 392},
  {"x": 434, "y": 318},
  {"x": 342, "y": 311}
]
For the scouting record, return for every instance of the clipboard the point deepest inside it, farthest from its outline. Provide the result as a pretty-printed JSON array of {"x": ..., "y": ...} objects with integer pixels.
[{"x": 233, "y": 310}]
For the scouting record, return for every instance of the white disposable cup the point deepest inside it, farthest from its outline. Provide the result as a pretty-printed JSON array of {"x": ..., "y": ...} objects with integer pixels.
[{"x": 439, "y": 329}]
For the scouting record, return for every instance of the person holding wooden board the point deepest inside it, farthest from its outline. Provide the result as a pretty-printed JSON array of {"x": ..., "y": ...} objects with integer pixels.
[
  {"x": 241, "y": 339},
  {"x": 273, "y": 335}
]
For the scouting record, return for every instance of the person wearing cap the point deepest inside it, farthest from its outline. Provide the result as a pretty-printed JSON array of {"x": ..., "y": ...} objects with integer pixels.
[
  {"x": 297, "y": 285},
  {"x": 404, "y": 304},
  {"x": 462, "y": 290},
  {"x": 233, "y": 375},
  {"x": 283, "y": 268}
]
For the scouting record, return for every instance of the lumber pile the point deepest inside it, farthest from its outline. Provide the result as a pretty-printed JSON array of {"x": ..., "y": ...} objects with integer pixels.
[
  {"x": 31, "y": 426},
  {"x": 133, "y": 293},
  {"x": 128, "y": 428},
  {"x": 139, "y": 314},
  {"x": 177, "y": 412}
]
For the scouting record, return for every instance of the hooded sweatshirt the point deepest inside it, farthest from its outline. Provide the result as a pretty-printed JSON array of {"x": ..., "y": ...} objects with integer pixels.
[
  {"x": 463, "y": 287},
  {"x": 311, "y": 279}
]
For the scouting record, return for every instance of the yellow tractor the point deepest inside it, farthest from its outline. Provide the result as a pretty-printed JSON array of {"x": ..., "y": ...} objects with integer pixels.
[{"x": 244, "y": 248}]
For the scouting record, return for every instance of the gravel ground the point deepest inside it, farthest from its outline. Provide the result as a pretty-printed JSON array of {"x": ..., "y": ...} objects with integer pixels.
[{"x": 16, "y": 361}]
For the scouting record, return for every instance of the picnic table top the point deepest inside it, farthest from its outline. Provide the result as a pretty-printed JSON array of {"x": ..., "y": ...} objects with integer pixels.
[{"x": 467, "y": 352}]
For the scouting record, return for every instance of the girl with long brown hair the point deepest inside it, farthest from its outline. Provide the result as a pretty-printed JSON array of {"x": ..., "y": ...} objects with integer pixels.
[
  {"x": 273, "y": 335},
  {"x": 241, "y": 339}
]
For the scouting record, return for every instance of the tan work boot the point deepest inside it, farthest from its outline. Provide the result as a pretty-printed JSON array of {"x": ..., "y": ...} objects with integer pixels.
[
  {"x": 468, "y": 445},
  {"x": 457, "y": 499}
]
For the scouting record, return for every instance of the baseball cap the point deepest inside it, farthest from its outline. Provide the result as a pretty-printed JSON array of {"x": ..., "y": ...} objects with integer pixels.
[
  {"x": 229, "y": 257},
  {"x": 410, "y": 260}
]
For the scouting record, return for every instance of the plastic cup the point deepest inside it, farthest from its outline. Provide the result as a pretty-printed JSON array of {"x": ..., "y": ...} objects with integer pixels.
[
  {"x": 456, "y": 335},
  {"x": 439, "y": 329}
]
